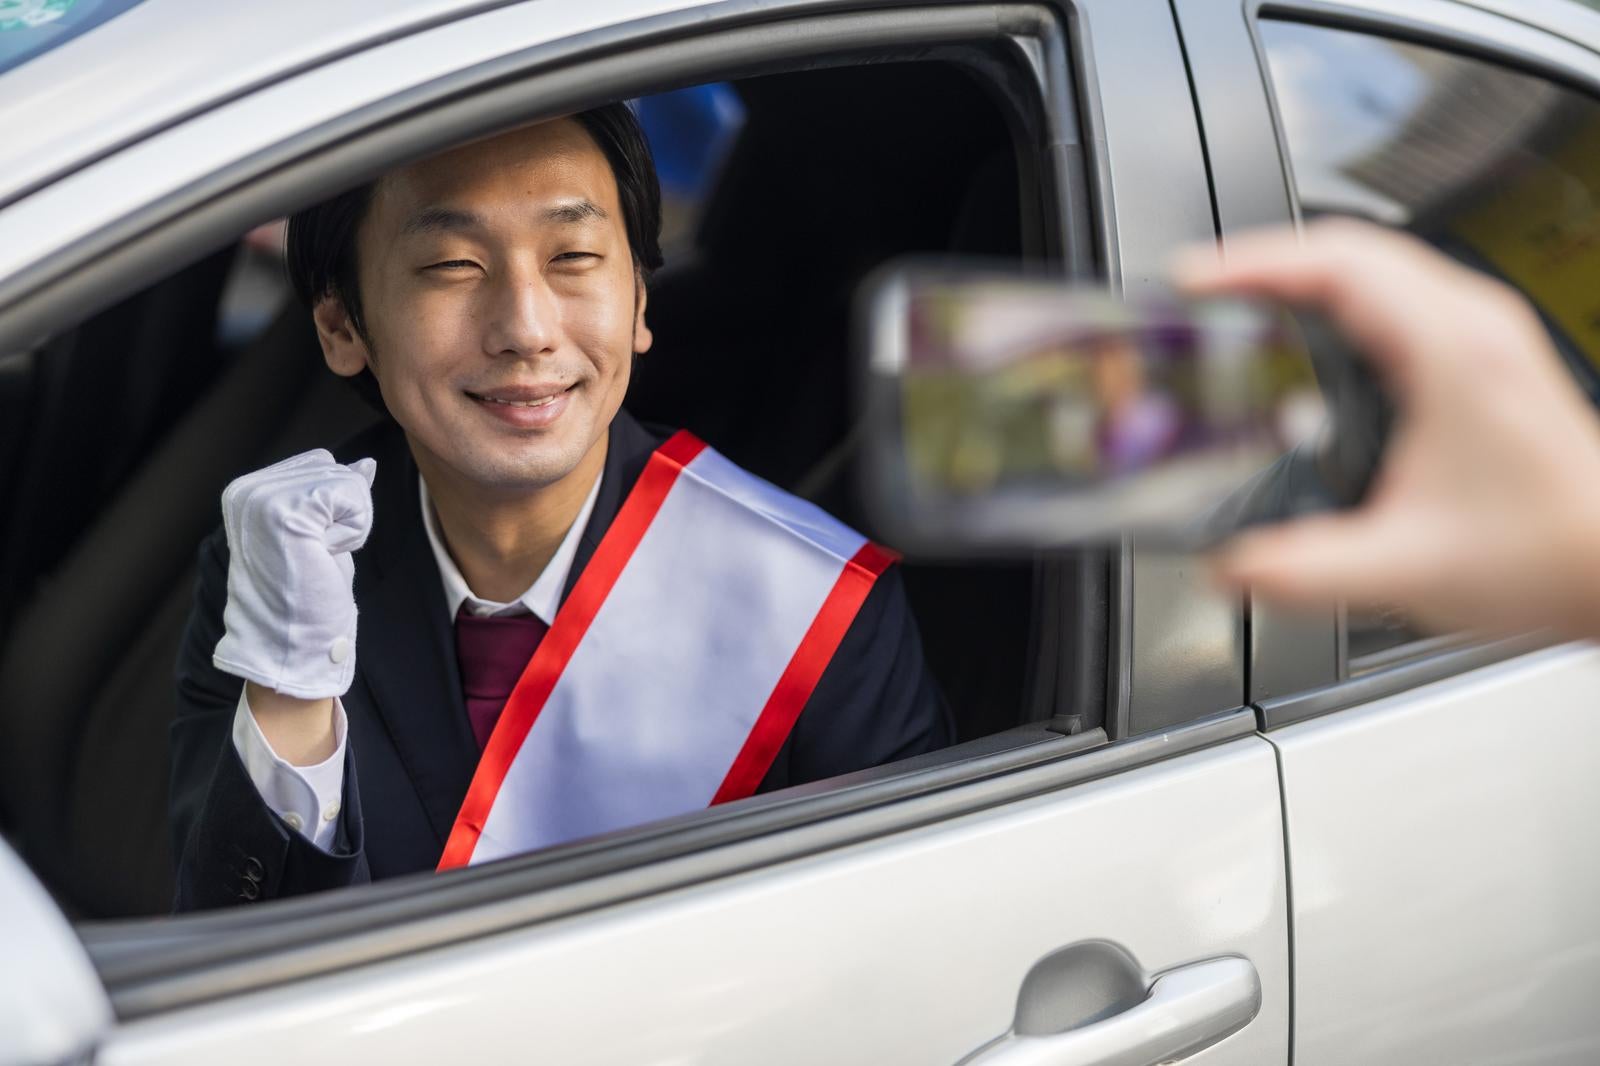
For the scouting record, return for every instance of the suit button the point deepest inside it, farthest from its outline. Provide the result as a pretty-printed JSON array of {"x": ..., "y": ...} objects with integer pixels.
[
  {"x": 249, "y": 890},
  {"x": 252, "y": 869}
]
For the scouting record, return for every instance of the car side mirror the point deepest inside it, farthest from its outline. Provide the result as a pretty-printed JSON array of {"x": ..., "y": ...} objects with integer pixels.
[{"x": 53, "y": 1008}]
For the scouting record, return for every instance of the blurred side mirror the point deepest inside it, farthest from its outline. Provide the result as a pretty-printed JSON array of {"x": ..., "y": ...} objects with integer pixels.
[{"x": 53, "y": 1008}]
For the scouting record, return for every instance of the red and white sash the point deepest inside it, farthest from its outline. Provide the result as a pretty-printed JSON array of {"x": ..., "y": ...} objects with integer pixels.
[{"x": 678, "y": 665}]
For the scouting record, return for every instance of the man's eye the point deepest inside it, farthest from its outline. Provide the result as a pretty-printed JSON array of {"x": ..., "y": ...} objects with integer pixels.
[
  {"x": 451, "y": 264},
  {"x": 572, "y": 257}
]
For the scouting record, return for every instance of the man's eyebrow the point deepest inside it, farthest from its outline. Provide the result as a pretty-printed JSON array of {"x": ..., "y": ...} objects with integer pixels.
[
  {"x": 445, "y": 219},
  {"x": 574, "y": 211}
]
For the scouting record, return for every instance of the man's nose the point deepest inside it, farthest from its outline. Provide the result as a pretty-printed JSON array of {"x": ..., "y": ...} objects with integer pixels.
[{"x": 522, "y": 319}]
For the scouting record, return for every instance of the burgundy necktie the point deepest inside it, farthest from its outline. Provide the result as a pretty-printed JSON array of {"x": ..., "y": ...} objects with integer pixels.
[{"x": 492, "y": 653}]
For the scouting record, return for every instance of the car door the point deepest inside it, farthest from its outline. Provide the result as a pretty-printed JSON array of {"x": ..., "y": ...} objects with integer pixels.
[
  {"x": 1437, "y": 793},
  {"x": 1106, "y": 884}
]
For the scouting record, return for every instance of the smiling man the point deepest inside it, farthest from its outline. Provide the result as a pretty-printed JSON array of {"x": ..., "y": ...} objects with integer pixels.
[{"x": 569, "y": 624}]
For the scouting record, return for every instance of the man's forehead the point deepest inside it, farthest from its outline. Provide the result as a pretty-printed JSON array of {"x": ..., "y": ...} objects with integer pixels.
[{"x": 550, "y": 165}]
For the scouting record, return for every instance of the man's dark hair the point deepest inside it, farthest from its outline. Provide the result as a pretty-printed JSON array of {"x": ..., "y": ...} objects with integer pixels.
[{"x": 320, "y": 252}]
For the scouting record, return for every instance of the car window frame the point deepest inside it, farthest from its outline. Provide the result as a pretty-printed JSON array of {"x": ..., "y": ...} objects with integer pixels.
[
  {"x": 1526, "y": 42},
  {"x": 155, "y": 967},
  {"x": 149, "y": 969}
]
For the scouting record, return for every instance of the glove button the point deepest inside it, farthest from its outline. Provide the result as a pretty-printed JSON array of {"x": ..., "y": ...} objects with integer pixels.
[{"x": 339, "y": 651}]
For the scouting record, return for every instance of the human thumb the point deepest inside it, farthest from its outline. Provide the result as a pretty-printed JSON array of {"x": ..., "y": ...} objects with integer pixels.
[
  {"x": 367, "y": 468},
  {"x": 1311, "y": 561}
]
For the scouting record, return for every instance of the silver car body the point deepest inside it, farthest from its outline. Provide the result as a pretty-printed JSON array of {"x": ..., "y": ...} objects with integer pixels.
[{"x": 1399, "y": 858}]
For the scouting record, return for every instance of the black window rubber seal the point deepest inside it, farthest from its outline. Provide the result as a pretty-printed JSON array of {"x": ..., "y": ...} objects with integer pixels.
[{"x": 1393, "y": 680}]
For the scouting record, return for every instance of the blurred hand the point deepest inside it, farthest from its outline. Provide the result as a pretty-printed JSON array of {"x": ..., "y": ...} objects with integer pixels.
[{"x": 1485, "y": 513}]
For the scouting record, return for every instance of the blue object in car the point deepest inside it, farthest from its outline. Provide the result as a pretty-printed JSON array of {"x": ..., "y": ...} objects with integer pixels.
[{"x": 690, "y": 130}]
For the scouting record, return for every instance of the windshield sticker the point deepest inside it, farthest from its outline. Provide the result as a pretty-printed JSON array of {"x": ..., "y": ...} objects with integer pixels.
[
  {"x": 30, "y": 28},
  {"x": 31, "y": 14}
]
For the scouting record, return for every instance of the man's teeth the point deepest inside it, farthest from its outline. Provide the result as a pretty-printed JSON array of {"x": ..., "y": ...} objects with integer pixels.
[{"x": 545, "y": 402}]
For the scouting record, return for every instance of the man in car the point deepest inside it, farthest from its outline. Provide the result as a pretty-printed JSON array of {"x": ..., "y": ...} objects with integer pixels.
[{"x": 569, "y": 624}]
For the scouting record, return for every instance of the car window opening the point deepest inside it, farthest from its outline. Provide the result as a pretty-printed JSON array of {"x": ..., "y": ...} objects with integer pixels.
[{"x": 797, "y": 186}]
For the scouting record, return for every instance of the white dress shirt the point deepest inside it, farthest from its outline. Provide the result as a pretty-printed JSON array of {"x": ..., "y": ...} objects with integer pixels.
[{"x": 308, "y": 797}]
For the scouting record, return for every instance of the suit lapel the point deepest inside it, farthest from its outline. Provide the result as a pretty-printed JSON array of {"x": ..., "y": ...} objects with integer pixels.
[{"x": 406, "y": 643}]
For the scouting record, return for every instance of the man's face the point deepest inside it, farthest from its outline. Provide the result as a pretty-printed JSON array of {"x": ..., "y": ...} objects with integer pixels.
[{"x": 502, "y": 306}]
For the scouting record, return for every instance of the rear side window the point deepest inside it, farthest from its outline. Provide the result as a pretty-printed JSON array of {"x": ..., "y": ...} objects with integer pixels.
[{"x": 1496, "y": 167}]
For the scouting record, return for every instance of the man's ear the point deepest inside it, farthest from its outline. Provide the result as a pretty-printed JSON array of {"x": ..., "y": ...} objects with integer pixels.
[
  {"x": 642, "y": 337},
  {"x": 343, "y": 348}
]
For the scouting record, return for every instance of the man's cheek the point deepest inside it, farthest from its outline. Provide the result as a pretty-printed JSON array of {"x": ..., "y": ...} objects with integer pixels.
[
  {"x": 437, "y": 347},
  {"x": 604, "y": 328}
]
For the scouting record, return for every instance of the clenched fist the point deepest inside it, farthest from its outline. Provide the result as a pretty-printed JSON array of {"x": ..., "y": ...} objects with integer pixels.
[{"x": 290, "y": 621}]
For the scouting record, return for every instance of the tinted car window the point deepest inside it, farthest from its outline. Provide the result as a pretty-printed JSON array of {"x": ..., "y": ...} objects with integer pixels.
[{"x": 1498, "y": 168}]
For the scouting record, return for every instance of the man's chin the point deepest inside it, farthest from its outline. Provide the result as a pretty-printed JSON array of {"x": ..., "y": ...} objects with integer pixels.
[
  {"x": 520, "y": 478},
  {"x": 505, "y": 463},
  {"x": 497, "y": 468}
]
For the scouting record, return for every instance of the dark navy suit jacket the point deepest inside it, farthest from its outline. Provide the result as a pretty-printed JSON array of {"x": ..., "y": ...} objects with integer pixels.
[{"x": 410, "y": 754}]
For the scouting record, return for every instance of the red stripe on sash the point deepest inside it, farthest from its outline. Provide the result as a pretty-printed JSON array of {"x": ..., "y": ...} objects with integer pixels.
[
  {"x": 555, "y": 651},
  {"x": 805, "y": 668}
]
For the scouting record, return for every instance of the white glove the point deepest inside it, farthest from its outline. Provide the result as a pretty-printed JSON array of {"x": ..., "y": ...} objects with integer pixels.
[{"x": 291, "y": 616}]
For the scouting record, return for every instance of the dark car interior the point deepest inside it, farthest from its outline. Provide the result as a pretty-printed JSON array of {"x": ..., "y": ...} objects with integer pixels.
[{"x": 117, "y": 437}]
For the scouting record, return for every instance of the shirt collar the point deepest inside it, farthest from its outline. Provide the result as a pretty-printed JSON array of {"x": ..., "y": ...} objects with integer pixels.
[{"x": 543, "y": 597}]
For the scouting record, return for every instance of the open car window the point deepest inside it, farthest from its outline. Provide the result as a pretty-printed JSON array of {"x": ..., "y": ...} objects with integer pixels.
[{"x": 213, "y": 370}]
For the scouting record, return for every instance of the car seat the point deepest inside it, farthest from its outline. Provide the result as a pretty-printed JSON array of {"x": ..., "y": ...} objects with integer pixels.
[
  {"x": 752, "y": 327},
  {"x": 83, "y": 411},
  {"x": 86, "y": 696}
]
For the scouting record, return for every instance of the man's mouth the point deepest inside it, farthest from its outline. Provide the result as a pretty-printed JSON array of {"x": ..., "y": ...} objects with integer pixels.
[
  {"x": 522, "y": 395},
  {"x": 525, "y": 406},
  {"x": 545, "y": 402}
]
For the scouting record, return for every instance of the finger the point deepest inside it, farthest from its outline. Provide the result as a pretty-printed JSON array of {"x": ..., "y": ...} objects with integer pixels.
[
  {"x": 314, "y": 458},
  {"x": 347, "y": 502},
  {"x": 1367, "y": 280},
  {"x": 277, "y": 497},
  {"x": 1315, "y": 561},
  {"x": 1256, "y": 258},
  {"x": 367, "y": 468},
  {"x": 294, "y": 468}
]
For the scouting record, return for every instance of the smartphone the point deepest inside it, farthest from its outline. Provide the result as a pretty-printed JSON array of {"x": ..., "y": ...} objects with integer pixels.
[{"x": 1007, "y": 412}]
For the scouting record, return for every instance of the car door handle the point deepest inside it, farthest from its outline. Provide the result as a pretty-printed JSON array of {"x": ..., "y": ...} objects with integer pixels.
[{"x": 1186, "y": 1010}]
